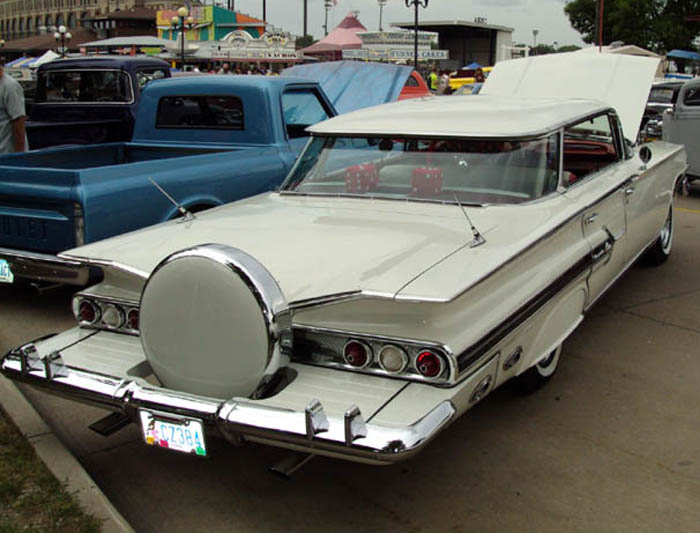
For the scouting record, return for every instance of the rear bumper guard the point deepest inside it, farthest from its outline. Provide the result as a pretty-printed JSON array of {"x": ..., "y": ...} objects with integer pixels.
[
  {"x": 45, "y": 267},
  {"x": 348, "y": 437}
]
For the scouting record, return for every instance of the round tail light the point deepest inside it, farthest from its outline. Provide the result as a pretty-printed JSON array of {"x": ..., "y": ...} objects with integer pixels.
[
  {"x": 429, "y": 364},
  {"x": 392, "y": 359},
  {"x": 88, "y": 312},
  {"x": 112, "y": 316},
  {"x": 357, "y": 354},
  {"x": 132, "y": 319}
]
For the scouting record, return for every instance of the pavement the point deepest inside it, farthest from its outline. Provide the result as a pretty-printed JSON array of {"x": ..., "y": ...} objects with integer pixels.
[{"x": 612, "y": 443}]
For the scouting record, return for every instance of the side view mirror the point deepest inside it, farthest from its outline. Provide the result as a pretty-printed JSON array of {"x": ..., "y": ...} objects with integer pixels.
[{"x": 645, "y": 156}]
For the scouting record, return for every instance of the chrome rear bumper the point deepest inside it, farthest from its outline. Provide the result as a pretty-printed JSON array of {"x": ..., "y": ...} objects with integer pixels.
[
  {"x": 237, "y": 419},
  {"x": 45, "y": 267}
]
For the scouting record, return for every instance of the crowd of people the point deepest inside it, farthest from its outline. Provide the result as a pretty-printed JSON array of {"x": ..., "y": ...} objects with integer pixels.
[
  {"x": 235, "y": 68},
  {"x": 439, "y": 80}
]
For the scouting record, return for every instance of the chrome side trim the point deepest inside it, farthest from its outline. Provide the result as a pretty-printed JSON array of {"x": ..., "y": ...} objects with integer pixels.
[
  {"x": 619, "y": 274},
  {"x": 489, "y": 341},
  {"x": 325, "y": 300},
  {"x": 105, "y": 263},
  {"x": 347, "y": 436}
]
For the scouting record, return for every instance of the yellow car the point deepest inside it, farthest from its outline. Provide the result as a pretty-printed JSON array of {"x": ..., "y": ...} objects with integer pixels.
[{"x": 456, "y": 83}]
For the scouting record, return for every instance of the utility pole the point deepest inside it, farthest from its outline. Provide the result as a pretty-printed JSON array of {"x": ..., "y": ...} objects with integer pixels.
[
  {"x": 600, "y": 26},
  {"x": 306, "y": 17},
  {"x": 264, "y": 12}
]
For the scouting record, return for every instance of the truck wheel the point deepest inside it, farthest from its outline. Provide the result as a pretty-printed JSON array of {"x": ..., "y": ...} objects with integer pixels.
[
  {"x": 538, "y": 375},
  {"x": 660, "y": 251}
]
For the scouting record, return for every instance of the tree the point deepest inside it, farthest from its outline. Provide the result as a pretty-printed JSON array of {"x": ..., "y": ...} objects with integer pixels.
[
  {"x": 568, "y": 48},
  {"x": 658, "y": 25},
  {"x": 303, "y": 42}
]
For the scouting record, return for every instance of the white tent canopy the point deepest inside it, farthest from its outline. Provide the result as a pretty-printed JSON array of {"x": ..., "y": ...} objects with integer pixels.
[{"x": 47, "y": 56}]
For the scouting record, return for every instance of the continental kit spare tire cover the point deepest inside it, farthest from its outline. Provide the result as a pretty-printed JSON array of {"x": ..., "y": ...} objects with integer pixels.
[{"x": 210, "y": 321}]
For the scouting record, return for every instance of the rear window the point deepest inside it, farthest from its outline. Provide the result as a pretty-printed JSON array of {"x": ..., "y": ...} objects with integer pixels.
[
  {"x": 105, "y": 86},
  {"x": 301, "y": 109},
  {"x": 200, "y": 112}
]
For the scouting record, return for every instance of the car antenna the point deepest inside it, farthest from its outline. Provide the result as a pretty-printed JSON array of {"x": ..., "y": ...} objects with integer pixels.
[
  {"x": 187, "y": 215},
  {"x": 478, "y": 238}
]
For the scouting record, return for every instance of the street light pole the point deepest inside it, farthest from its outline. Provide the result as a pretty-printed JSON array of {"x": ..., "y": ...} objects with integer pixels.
[
  {"x": 327, "y": 4},
  {"x": 306, "y": 17},
  {"x": 416, "y": 3},
  {"x": 182, "y": 22},
  {"x": 381, "y": 3},
  {"x": 62, "y": 36}
]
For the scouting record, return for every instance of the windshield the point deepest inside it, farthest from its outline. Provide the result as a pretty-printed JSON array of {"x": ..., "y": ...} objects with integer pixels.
[{"x": 473, "y": 171}]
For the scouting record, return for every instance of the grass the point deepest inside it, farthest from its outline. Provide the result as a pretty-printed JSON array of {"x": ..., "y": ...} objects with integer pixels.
[{"x": 31, "y": 498}]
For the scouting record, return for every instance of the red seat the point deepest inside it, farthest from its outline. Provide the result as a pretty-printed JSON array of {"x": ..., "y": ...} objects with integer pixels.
[
  {"x": 426, "y": 181},
  {"x": 360, "y": 179}
]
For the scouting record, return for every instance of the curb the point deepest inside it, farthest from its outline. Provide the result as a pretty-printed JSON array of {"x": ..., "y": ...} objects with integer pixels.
[{"x": 59, "y": 460}]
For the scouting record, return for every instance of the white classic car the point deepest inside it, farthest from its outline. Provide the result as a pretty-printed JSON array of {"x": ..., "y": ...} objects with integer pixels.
[{"x": 419, "y": 255}]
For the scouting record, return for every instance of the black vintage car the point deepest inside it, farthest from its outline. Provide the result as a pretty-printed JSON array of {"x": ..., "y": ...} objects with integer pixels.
[
  {"x": 662, "y": 96},
  {"x": 89, "y": 100}
]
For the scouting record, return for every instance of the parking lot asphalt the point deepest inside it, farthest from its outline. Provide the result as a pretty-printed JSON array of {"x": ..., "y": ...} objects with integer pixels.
[{"x": 611, "y": 444}]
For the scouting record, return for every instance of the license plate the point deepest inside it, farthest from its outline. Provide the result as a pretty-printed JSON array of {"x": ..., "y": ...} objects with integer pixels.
[
  {"x": 6, "y": 275},
  {"x": 177, "y": 433}
]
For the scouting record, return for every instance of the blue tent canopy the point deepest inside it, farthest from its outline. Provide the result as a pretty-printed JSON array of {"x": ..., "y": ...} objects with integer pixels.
[
  {"x": 471, "y": 66},
  {"x": 684, "y": 54},
  {"x": 18, "y": 62}
]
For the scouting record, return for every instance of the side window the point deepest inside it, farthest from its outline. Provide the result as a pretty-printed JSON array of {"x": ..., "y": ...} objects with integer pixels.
[
  {"x": 200, "y": 112},
  {"x": 588, "y": 147},
  {"x": 147, "y": 75},
  {"x": 692, "y": 97},
  {"x": 301, "y": 108}
]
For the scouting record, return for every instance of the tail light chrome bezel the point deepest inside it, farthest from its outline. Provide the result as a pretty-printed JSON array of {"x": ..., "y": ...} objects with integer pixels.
[
  {"x": 325, "y": 347},
  {"x": 104, "y": 305}
]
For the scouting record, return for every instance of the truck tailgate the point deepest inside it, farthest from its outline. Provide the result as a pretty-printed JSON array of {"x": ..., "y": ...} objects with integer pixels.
[{"x": 37, "y": 208}]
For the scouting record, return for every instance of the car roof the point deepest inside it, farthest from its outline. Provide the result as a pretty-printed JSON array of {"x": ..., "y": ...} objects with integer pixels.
[
  {"x": 223, "y": 82},
  {"x": 476, "y": 116},
  {"x": 103, "y": 61}
]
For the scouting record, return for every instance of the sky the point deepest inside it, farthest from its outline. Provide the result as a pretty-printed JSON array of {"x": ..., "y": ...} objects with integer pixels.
[{"x": 524, "y": 16}]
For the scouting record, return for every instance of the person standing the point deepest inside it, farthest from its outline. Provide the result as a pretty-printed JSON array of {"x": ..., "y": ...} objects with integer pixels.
[
  {"x": 433, "y": 79},
  {"x": 13, "y": 137}
]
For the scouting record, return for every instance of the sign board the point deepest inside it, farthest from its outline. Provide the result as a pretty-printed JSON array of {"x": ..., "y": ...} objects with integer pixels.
[{"x": 395, "y": 55}]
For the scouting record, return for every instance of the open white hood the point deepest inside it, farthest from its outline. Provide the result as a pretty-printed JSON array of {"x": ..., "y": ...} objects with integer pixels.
[{"x": 620, "y": 81}]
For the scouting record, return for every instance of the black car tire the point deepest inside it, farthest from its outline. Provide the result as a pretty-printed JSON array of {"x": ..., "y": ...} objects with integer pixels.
[{"x": 538, "y": 375}]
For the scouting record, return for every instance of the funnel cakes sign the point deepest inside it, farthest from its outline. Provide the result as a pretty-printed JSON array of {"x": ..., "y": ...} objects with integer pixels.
[{"x": 271, "y": 46}]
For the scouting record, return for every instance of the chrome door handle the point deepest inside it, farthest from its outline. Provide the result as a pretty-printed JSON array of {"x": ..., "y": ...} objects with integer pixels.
[
  {"x": 633, "y": 178},
  {"x": 590, "y": 218},
  {"x": 629, "y": 192}
]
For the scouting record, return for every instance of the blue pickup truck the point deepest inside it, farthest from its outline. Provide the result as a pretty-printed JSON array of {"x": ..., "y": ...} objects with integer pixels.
[
  {"x": 204, "y": 140},
  {"x": 88, "y": 100}
]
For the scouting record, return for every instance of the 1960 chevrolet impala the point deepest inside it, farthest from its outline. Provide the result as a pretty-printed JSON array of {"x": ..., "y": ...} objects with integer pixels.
[{"x": 419, "y": 255}]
